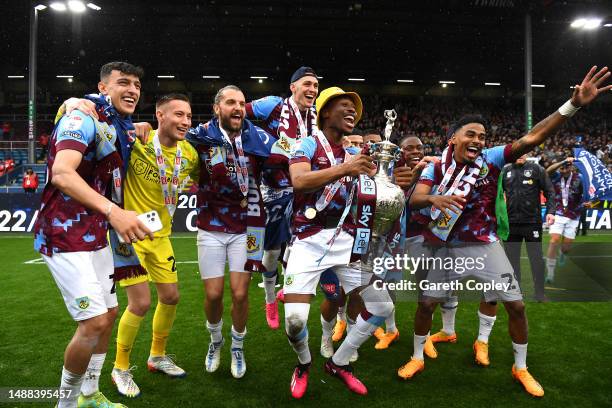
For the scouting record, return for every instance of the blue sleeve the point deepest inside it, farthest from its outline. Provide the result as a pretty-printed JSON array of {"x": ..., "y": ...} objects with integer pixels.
[
  {"x": 304, "y": 149},
  {"x": 76, "y": 127},
  {"x": 427, "y": 173},
  {"x": 262, "y": 108},
  {"x": 496, "y": 156}
]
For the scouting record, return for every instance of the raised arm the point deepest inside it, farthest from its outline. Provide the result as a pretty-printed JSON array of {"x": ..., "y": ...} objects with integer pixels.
[
  {"x": 583, "y": 94},
  {"x": 555, "y": 166}
]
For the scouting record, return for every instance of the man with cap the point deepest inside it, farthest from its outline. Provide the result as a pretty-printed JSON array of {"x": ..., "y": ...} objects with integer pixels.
[
  {"x": 568, "y": 198},
  {"x": 321, "y": 177},
  {"x": 288, "y": 119}
]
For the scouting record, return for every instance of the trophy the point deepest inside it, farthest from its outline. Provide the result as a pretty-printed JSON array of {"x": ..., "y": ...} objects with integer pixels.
[{"x": 390, "y": 199}]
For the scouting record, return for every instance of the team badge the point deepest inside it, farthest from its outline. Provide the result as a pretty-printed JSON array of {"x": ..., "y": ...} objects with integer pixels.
[
  {"x": 484, "y": 170},
  {"x": 82, "y": 302},
  {"x": 252, "y": 245},
  {"x": 536, "y": 234},
  {"x": 527, "y": 173},
  {"x": 288, "y": 280},
  {"x": 283, "y": 143},
  {"x": 123, "y": 249}
]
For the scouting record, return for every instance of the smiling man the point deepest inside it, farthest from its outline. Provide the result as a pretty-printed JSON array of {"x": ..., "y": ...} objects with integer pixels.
[
  {"x": 461, "y": 190},
  {"x": 86, "y": 166},
  {"x": 231, "y": 217},
  {"x": 288, "y": 119},
  {"x": 322, "y": 179},
  {"x": 157, "y": 172}
]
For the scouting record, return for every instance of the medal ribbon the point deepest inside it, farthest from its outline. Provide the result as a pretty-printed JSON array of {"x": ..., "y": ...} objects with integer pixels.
[
  {"x": 331, "y": 189},
  {"x": 565, "y": 185},
  {"x": 169, "y": 194}
]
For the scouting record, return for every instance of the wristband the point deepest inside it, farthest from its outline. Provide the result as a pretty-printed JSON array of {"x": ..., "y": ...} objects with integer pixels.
[
  {"x": 109, "y": 209},
  {"x": 568, "y": 109}
]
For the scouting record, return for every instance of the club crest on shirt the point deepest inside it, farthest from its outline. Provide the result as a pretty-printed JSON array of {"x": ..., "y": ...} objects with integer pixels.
[
  {"x": 527, "y": 173},
  {"x": 283, "y": 143},
  {"x": 82, "y": 302},
  {"x": 484, "y": 170}
]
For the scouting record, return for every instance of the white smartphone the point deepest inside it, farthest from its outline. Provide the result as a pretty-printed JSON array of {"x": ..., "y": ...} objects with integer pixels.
[{"x": 150, "y": 219}]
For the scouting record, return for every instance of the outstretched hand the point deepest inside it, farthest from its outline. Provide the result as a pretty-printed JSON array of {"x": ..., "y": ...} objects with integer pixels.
[{"x": 589, "y": 89}]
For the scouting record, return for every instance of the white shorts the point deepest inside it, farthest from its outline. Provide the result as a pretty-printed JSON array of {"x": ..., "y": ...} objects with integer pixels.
[
  {"x": 304, "y": 269},
  {"x": 215, "y": 248},
  {"x": 85, "y": 280},
  {"x": 487, "y": 263},
  {"x": 564, "y": 226}
]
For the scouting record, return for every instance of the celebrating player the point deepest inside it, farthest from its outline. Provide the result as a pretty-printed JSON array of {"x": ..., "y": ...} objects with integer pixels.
[
  {"x": 288, "y": 119},
  {"x": 568, "y": 197},
  {"x": 461, "y": 189},
  {"x": 157, "y": 172},
  {"x": 318, "y": 170},
  {"x": 86, "y": 165},
  {"x": 231, "y": 218}
]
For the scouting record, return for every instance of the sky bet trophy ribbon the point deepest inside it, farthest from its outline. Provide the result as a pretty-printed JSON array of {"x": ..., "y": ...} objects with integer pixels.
[{"x": 379, "y": 202}]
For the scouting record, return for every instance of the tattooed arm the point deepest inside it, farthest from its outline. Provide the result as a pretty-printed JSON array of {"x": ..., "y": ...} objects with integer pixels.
[{"x": 583, "y": 94}]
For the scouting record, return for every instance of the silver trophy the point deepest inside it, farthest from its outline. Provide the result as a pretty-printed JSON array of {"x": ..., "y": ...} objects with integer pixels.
[{"x": 390, "y": 199}]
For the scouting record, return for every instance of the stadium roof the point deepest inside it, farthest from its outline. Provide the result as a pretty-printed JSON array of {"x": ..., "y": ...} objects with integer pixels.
[{"x": 471, "y": 41}]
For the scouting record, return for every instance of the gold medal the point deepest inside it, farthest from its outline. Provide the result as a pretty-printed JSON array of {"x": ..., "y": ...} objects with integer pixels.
[
  {"x": 310, "y": 213},
  {"x": 243, "y": 203}
]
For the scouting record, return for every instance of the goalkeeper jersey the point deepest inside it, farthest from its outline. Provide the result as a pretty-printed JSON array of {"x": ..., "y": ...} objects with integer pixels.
[{"x": 143, "y": 189}]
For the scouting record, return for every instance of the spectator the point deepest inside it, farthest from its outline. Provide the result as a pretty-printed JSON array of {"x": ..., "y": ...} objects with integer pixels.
[
  {"x": 43, "y": 140},
  {"x": 30, "y": 181}
]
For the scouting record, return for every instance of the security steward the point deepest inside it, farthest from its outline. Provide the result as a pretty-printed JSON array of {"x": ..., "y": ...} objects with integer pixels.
[{"x": 522, "y": 183}]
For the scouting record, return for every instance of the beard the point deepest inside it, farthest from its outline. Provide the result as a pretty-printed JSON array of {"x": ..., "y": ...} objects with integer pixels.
[{"x": 226, "y": 123}]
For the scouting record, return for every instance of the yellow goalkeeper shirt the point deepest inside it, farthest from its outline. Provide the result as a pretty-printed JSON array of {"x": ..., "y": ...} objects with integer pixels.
[{"x": 143, "y": 190}]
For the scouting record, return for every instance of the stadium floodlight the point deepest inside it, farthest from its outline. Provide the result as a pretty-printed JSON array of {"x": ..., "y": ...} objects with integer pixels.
[
  {"x": 405, "y": 81},
  {"x": 357, "y": 79},
  {"x": 70, "y": 80},
  {"x": 492, "y": 83},
  {"x": 15, "y": 76},
  {"x": 592, "y": 24},
  {"x": 444, "y": 85},
  {"x": 57, "y": 6},
  {"x": 586, "y": 23},
  {"x": 94, "y": 6},
  {"x": 578, "y": 23},
  {"x": 165, "y": 76},
  {"x": 446, "y": 82},
  {"x": 538, "y": 86},
  {"x": 40, "y": 7},
  {"x": 211, "y": 76},
  {"x": 608, "y": 25},
  {"x": 76, "y": 6},
  {"x": 64, "y": 76},
  {"x": 259, "y": 77}
]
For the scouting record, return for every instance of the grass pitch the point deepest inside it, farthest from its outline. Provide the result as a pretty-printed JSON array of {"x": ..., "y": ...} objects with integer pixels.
[{"x": 569, "y": 345}]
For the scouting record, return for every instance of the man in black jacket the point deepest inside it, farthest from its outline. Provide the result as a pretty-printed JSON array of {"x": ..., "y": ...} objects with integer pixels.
[{"x": 522, "y": 183}]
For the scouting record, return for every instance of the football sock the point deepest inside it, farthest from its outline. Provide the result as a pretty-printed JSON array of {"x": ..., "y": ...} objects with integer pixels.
[
  {"x": 238, "y": 338},
  {"x": 163, "y": 319},
  {"x": 390, "y": 323},
  {"x": 520, "y": 355},
  {"x": 342, "y": 313},
  {"x": 328, "y": 327},
  {"x": 551, "y": 263},
  {"x": 296, "y": 318},
  {"x": 215, "y": 331},
  {"x": 269, "y": 280},
  {"x": 349, "y": 324},
  {"x": 419, "y": 345},
  {"x": 126, "y": 334},
  {"x": 449, "y": 310},
  {"x": 485, "y": 327},
  {"x": 71, "y": 384},
  {"x": 361, "y": 331},
  {"x": 92, "y": 375}
]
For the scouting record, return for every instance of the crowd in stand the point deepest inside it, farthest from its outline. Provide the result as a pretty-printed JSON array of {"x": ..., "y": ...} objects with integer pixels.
[{"x": 429, "y": 118}]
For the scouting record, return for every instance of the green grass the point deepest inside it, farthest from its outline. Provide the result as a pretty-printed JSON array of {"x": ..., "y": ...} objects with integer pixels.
[{"x": 569, "y": 348}]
